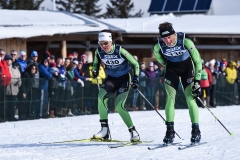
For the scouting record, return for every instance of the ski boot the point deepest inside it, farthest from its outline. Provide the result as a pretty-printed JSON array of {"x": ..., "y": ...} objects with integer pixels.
[
  {"x": 134, "y": 136},
  {"x": 104, "y": 132},
  {"x": 170, "y": 133},
  {"x": 196, "y": 134}
]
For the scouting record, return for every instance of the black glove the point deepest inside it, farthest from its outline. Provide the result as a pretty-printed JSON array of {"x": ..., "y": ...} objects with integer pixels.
[
  {"x": 135, "y": 82},
  {"x": 95, "y": 74},
  {"x": 196, "y": 89}
]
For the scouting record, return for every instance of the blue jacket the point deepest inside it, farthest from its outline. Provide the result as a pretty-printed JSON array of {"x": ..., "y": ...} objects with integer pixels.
[
  {"x": 77, "y": 74},
  {"x": 23, "y": 64},
  {"x": 45, "y": 75}
]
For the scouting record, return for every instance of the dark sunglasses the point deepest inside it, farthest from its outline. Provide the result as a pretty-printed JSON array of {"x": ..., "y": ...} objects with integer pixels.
[
  {"x": 13, "y": 54},
  {"x": 103, "y": 43}
]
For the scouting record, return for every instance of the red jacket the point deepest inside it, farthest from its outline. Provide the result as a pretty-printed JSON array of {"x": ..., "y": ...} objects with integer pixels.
[
  {"x": 5, "y": 75},
  {"x": 206, "y": 78}
]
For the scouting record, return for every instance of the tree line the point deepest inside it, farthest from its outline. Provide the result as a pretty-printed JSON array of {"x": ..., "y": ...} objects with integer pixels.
[{"x": 114, "y": 9}]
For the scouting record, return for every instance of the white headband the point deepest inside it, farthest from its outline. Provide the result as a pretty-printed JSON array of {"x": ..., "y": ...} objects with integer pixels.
[{"x": 104, "y": 36}]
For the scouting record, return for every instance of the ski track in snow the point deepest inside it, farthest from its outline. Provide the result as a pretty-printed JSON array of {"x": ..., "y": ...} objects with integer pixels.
[{"x": 20, "y": 140}]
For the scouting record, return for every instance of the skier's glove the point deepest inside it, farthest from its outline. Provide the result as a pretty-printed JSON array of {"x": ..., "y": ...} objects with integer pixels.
[
  {"x": 95, "y": 74},
  {"x": 196, "y": 89},
  {"x": 135, "y": 82}
]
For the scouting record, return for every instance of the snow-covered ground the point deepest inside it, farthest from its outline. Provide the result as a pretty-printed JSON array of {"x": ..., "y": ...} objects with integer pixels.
[{"x": 20, "y": 140}]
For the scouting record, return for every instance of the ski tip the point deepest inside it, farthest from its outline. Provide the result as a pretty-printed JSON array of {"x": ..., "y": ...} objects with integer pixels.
[
  {"x": 149, "y": 148},
  {"x": 232, "y": 134}
]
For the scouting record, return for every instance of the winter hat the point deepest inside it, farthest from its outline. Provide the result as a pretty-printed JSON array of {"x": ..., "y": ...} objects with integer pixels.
[
  {"x": 46, "y": 55},
  {"x": 150, "y": 64},
  {"x": 222, "y": 65},
  {"x": 7, "y": 57},
  {"x": 74, "y": 53},
  {"x": 84, "y": 56},
  {"x": 34, "y": 54},
  {"x": 75, "y": 62},
  {"x": 80, "y": 62},
  {"x": 22, "y": 53},
  {"x": 70, "y": 55},
  {"x": 52, "y": 64},
  {"x": 52, "y": 57},
  {"x": 213, "y": 61},
  {"x": 136, "y": 58},
  {"x": 217, "y": 63},
  {"x": 233, "y": 63},
  {"x": 142, "y": 65}
]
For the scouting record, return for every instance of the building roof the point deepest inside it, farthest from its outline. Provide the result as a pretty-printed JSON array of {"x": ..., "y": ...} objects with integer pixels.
[
  {"x": 26, "y": 23},
  {"x": 179, "y": 6},
  {"x": 191, "y": 24}
]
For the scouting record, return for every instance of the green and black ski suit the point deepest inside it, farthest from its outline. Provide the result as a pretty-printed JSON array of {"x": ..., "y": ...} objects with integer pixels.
[
  {"x": 118, "y": 64},
  {"x": 182, "y": 64}
]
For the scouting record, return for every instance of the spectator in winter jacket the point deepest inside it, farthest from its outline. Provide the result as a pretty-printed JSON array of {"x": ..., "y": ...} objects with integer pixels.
[
  {"x": 215, "y": 76},
  {"x": 151, "y": 82},
  {"x": 25, "y": 92},
  {"x": 36, "y": 91},
  {"x": 231, "y": 73},
  {"x": 33, "y": 58},
  {"x": 45, "y": 74},
  {"x": 142, "y": 85},
  {"x": 231, "y": 76},
  {"x": 2, "y": 54},
  {"x": 12, "y": 89},
  {"x": 205, "y": 83},
  {"x": 14, "y": 56},
  {"x": 53, "y": 92},
  {"x": 22, "y": 60},
  {"x": 5, "y": 78}
]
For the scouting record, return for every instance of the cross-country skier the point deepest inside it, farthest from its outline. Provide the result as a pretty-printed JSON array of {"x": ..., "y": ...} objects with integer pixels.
[
  {"x": 117, "y": 63},
  {"x": 182, "y": 64}
]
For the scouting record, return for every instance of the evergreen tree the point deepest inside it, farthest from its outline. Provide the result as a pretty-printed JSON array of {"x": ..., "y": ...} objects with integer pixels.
[
  {"x": 21, "y": 4},
  {"x": 66, "y": 5},
  {"x": 88, "y": 7},
  {"x": 121, "y": 9}
]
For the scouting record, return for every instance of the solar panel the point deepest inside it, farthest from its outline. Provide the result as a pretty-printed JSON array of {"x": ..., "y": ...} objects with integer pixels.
[
  {"x": 187, "y": 5},
  {"x": 156, "y": 5},
  {"x": 172, "y": 5},
  {"x": 203, "y": 5},
  {"x": 178, "y": 6}
]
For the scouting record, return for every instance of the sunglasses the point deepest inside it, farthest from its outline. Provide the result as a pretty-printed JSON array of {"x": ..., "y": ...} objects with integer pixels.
[
  {"x": 13, "y": 54},
  {"x": 103, "y": 43}
]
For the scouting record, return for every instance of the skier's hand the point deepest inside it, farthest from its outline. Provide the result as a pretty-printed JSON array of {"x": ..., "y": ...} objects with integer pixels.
[
  {"x": 95, "y": 74},
  {"x": 196, "y": 89},
  {"x": 134, "y": 83}
]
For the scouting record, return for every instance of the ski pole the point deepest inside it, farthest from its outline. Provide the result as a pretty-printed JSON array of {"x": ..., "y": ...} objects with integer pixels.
[
  {"x": 155, "y": 109},
  {"x": 231, "y": 134}
]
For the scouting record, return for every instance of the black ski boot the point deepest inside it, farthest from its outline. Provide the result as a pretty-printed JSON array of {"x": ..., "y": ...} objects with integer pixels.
[
  {"x": 104, "y": 132},
  {"x": 170, "y": 133},
  {"x": 196, "y": 134}
]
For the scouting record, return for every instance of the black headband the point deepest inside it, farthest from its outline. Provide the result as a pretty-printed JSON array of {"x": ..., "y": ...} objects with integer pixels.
[{"x": 165, "y": 32}]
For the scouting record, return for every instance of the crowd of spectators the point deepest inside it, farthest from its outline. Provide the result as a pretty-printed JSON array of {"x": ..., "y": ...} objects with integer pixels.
[
  {"x": 46, "y": 88},
  {"x": 52, "y": 86}
]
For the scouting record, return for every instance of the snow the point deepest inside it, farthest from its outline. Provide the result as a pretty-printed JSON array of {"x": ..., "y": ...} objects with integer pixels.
[
  {"x": 20, "y": 140},
  {"x": 198, "y": 24},
  {"x": 39, "y": 23}
]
